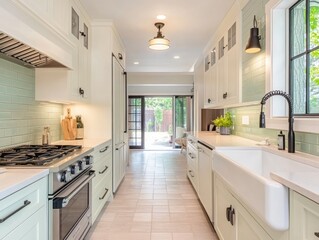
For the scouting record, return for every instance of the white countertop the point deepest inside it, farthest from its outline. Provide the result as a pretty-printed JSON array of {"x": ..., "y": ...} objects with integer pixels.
[
  {"x": 304, "y": 182},
  {"x": 215, "y": 140},
  {"x": 14, "y": 179},
  {"x": 84, "y": 142}
]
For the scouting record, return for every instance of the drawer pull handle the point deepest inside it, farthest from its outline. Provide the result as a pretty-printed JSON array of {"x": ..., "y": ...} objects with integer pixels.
[
  {"x": 26, "y": 203},
  {"x": 103, "y": 171},
  {"x": 191, "y": 156},
  {"x": 104, "y": 149},
  {"x": 101, "y": 198},
  {"x": 228, "y": 212},
  {"x": 317, "y": 234}
]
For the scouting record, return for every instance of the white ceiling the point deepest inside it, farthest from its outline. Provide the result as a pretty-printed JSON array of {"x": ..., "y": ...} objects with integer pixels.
[{"x": 189, "y": 26}]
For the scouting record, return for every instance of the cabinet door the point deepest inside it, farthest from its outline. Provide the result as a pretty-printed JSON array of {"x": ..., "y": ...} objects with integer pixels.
[
  {"x": 246, "y": 226},
  {"x": 223, "y": 200},
  {"x": 205, "y": 179},
  {"x": 207, "y": 83},
  {"x": 304, "y": 218}
]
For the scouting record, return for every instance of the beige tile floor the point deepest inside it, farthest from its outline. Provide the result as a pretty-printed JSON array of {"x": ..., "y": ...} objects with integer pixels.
[{"x": 154, "y": 202}]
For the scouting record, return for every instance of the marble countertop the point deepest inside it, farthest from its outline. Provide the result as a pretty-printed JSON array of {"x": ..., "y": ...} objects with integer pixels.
[
  {"x": 84, "y": 142},
  {"x": 14, "y": 179},
  {"x": 304, "y": 182}
]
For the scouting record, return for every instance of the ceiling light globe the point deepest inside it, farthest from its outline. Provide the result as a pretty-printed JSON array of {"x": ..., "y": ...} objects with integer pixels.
[{"x": 159, "y": 43}]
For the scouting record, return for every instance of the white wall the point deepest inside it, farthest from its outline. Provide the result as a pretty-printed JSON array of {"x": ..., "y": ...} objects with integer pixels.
[{"x": 160, "y": 83}]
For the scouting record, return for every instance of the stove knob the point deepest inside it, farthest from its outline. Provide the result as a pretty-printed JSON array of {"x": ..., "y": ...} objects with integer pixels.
[
  {"x": 88, "y": 160},
  {"x": 80, "y": 165},
  {"x": 74, "y": 169},
  {"x": 64, "y": 176}
]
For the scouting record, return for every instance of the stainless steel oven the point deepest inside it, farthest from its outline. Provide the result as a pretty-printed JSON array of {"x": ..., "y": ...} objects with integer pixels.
[{"x": 71, "y": 208}]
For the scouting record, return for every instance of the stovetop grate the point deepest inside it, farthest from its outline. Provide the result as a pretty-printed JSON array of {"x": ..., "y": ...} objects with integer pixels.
[{"x": 35, "y": 155}]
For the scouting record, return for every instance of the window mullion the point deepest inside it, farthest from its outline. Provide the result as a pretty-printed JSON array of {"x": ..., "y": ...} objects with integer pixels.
[{"x": 307, "y": 56}]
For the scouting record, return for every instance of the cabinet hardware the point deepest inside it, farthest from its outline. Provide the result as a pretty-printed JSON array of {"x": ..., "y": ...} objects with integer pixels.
[
  {"x": 199, "y": 149},
  {"x": 224, "y": 95},
  {"x": 316, "y": 234},
  {"x": 232, "y": 213},
  {"x": 104, "y": 149},
  {"x": 228, "y": 212},
  {"x": 103, "y": 171},
  {"x": 190, "y": 155},
  {"x": 208, "y": 63},
  {"x": 209, "y": 100},
  {"x": 190, "y": 173},
  {"x": 225, "y": 46},
  {"x": 120, "y": 56},
  {"x": 106, "y": 190},
  {"x": 25, "y": 203},
  {"x": 81, "y": 92},
  {"x": 83, "y": 34}
]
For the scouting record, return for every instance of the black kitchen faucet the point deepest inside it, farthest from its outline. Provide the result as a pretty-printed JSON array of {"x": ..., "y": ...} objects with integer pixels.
[{"x": 262, "y": 120}]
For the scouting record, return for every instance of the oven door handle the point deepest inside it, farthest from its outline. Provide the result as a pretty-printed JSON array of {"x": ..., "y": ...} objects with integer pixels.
[{"x": 61, "y": 202}]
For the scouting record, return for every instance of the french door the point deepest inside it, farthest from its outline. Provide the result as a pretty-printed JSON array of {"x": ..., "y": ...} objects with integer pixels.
[{"x": 135, "y": 116}]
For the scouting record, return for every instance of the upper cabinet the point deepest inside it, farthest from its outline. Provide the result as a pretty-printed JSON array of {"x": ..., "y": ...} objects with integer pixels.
[
  {"x": 65, "y": 85},
  {"x": 53, "y": 12},
  {"x": 222, "y": 61}
]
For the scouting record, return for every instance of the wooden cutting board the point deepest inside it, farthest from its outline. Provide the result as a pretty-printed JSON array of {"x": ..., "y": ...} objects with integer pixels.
[{"x": 68, "y": 128}]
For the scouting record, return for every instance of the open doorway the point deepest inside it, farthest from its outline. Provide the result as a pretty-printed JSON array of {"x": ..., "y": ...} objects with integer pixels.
[{"x": 159, "y": 122}]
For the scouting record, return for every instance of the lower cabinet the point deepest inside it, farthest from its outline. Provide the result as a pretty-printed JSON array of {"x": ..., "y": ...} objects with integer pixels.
[
  {"x": 102, "y": 183},
  {"x": 205, "y": 177},
  {"x": 192, "y": 162},
  {"x": 304, "y": 217},
  {"x": 24, "y": 214},
  {"x": 231, "y": 219}
]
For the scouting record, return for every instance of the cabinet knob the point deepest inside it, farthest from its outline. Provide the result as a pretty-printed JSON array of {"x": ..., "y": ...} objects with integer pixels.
[
  {"x": 225, "y": 46},
  {"x": 83, "y": 34},
  {"x": 209, "y": 100},
  {"x": 225, "y": 95},
  {"x": 81, "y": 92},
  {"x": 120, "y": 56},
  {"x": 316, "y": 234}
]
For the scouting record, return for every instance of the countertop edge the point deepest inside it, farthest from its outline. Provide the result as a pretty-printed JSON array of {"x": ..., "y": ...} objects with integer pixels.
[{"x": 22, "y": 183}]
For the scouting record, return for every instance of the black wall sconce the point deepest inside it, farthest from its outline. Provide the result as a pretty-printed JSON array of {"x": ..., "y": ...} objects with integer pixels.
[{"x": 253, "y": 45}]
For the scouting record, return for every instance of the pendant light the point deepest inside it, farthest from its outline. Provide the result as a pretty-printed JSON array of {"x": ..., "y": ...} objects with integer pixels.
[
  {"x": 159, "y": 42},
  {"x": 253, "y": 45}
]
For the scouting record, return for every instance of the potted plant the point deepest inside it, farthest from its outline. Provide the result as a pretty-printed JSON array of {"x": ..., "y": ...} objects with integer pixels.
[{"x": 224, "y": 123}]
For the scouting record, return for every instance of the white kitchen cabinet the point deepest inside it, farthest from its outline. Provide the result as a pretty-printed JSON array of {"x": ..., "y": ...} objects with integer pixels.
[
  {"x": 29, "y": 206},
  {"x": 304, "y": 217},
  {"x": 228, "y": 67},
  {"x": 54, "y": 13},
  {"x": 64, "y": 85},
  {"x": 210, "y": 79},
  {"x": 205, "y": 176},
  {"x": 102, "y": 183},
  {"x": 192, "y": 161},
  {"x": 120, "y": 146},
  {"x": 232, "y": 220}
]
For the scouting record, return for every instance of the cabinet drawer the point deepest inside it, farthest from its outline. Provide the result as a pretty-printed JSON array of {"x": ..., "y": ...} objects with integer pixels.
[
  {"x": 102, "y": 168},
  {"x": 101, "y": 193},
  {"x": 102, "y": 151},
  {"x": 192, "y": 174},
  {"x": 24, "y": 203},
  {"x": 192, "y": 142}
]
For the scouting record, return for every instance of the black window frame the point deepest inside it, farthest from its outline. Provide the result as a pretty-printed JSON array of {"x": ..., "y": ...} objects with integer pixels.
[{"x": 306, "y": 53}]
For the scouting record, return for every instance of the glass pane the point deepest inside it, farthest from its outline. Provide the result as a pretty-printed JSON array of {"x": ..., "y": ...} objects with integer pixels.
[
  {"x": 314, "y": 82},
  {"x": 314, "y": 24},
  {"x": 298, "y": 80},
  {"x": 298, "y": 28}
]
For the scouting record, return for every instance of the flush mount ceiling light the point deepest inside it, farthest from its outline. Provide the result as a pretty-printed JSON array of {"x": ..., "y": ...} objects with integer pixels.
[
  {"x": 159, "y": 42},
  {"x": 253, "y": 45}
]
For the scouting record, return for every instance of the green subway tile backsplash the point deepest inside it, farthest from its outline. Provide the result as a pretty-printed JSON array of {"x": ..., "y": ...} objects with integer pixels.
[
  {"x": 21, "y": 117},
  {"x": 305, "y": 142}
]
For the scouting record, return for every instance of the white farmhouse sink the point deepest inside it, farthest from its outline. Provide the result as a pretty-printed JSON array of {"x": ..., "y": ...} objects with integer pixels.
[{"x": 247, "y": 171}]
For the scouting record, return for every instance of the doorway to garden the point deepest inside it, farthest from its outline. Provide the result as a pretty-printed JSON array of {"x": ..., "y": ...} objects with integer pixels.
[{"x": 159, "y": 122}]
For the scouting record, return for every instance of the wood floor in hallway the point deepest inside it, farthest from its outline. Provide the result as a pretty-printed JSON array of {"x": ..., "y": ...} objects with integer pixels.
[{"x": 154, "y": 202}]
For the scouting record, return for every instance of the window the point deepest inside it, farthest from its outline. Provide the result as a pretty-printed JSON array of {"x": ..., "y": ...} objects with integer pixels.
[
  {"x": 304, "y": 56},
  {"x": 278, "y": 66}
]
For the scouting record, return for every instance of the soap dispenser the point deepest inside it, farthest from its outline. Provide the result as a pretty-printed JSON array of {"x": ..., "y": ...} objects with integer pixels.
[{"x": 281, "y": 141}]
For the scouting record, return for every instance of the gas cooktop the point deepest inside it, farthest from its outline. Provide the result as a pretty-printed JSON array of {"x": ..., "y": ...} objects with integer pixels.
[{"x": 35, "y": 155}]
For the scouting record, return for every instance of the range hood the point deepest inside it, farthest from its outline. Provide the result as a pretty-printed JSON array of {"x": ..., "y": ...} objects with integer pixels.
[{"x": 20, "y": 53}]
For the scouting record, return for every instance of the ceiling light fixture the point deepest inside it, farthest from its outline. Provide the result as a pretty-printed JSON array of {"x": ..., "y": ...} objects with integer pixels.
[
  {"x": 159, "y": 42},
  {"x": 136, "y": 63},
  {"x": 161, "y": 17},
  {"x": 253, "y": 45}
]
